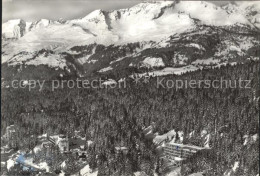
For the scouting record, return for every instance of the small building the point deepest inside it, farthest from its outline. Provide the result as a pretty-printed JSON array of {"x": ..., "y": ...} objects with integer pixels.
[
  {"x": 11, "y": 136},
  {"x": 124, "y": 150},
  {"x": 63, "y": 143},
  {"x": 177, "y": 152}
]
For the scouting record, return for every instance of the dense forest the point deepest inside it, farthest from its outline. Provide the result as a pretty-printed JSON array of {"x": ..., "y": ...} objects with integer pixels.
[{"x": 113, "y": 117}]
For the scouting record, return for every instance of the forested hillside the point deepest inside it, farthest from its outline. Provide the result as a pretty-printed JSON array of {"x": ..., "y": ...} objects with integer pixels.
[{"x": 112, "y": 117}]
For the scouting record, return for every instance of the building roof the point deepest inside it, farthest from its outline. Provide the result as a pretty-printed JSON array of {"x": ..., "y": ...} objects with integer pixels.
[
  {"x": 183, "y": 146},
  {"x": 121, "y": 148}
]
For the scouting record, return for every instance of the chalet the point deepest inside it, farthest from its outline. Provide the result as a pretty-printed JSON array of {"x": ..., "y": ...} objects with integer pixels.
[{"x": 179, "y": 152}]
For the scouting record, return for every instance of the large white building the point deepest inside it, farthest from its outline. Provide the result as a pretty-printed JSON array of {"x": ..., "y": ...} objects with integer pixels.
[{"x": 177, "y": 152}]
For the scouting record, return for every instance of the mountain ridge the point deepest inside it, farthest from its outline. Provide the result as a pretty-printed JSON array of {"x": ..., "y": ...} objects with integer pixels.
[
  {"x": 174, "y": 34},
  {"x": 157, "y": 8}
]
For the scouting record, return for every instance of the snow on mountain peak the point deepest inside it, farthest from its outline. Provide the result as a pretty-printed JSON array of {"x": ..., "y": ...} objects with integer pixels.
[
  {"x": 249, "y": 9},
  {"x": 94, "y": 23},
  {"x": 209, "y": 13},
  {"x": 95, "y": 14},
  {"x": 14, "y": 28},
  {"x": 148, "y": 8},
  {"x": 143, "y": 22},
  {"x": 147, "y": 17},
  {"x": 40, "y": 24}
]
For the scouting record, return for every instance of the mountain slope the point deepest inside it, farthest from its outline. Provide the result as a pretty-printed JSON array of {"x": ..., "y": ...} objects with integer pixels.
[{"x": 147, "y": 37}]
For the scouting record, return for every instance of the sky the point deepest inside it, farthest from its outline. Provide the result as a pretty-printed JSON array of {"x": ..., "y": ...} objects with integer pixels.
[{"x": 33, "y": 10}]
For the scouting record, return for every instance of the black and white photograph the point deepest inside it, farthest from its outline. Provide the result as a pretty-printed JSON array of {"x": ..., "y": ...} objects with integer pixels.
[{"x": 130, "y": 88}]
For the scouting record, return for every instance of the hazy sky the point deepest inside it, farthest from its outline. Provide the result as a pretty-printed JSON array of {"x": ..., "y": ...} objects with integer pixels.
[{"x": 32, "y": 10}]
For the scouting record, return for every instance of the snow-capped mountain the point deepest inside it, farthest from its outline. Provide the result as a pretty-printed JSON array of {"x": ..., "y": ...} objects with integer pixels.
[
  {"x": 14, "y": 29},
  {"x": 146, "y": 19},
  {"x": 250, "y": 10},
  {"x": 163, "y": 35}
]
